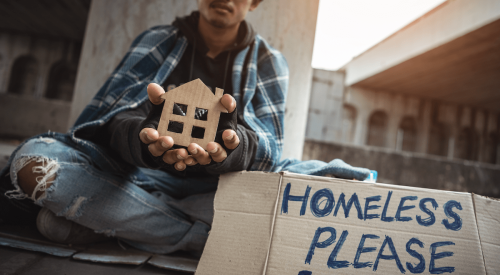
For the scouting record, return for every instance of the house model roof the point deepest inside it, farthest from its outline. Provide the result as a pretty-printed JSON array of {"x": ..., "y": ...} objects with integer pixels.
[{"x": 191, "y": 97}]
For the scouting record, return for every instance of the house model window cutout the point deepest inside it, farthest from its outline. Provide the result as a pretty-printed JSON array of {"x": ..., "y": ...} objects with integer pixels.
[{"x": 200, "y": 112}]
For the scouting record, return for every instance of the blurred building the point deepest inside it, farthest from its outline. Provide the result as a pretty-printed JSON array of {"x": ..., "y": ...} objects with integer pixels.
[
  {"x": 56, "y": 54},
  {"x": 40, "y": 45},
  {"x": 422, "y": 106}
]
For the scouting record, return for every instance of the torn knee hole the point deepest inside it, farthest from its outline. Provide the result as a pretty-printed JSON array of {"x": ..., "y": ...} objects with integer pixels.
[{"x": 35, "y": 175}]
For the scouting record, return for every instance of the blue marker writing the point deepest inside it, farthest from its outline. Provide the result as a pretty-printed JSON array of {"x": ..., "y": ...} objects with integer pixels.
[
  {"x": 287, "y": 197},
  {"x": 323, "y": 244},
  {"x": 347, "y": 208},
  {"x": 323, "y": 195},
  {"x": 402, "y": 208}
]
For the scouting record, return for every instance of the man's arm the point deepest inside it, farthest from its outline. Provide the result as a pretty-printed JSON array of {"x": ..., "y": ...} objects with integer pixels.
[
  {"x": 265, "y": 110},
  {"x": 242, "y": 157},
  {"x": 123, "y": 132}
]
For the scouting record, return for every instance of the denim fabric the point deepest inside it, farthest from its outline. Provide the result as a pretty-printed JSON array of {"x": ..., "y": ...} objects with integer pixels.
[{"x": 160, "y": 213}]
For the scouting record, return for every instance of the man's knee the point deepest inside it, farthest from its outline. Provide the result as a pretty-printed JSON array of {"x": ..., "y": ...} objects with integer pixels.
[
  {"x": 33, "y": 168},
  {"x": 35, "y": 175}
]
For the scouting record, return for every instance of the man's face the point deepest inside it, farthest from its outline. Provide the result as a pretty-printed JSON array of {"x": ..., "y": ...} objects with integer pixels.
[{"x": 225, "y": 13}]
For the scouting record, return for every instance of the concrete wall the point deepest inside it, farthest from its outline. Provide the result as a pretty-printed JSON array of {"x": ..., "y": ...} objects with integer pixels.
[
  {"x": 111, "y": 27},
  {"x": 328, "y": 122},
  {"x": 451, "y": 20},
  {"x": 396, "y": 106},
  {"x": 413, "y": 169},
  {"x": 46, "y": 52},
  {"x": 289, "y": 26},
  {"x": 426, "y": 113},
  {"x": 22, "y": 117}
]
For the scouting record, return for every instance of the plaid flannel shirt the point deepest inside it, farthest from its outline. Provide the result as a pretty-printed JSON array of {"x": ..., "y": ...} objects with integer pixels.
[{"x": 260, "y": 84}]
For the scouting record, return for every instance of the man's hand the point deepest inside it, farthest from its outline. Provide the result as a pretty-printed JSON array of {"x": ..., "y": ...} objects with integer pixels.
[
  {"x": 160, "y": 145},
  {"x": 215, "y": 150}
]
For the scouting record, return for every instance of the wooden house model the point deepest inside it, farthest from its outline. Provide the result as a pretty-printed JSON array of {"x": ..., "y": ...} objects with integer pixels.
[{"x": 192, "y": 97}]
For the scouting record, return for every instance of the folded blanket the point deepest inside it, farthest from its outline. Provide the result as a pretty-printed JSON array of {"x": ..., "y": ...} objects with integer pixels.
[{"x": 337, "y": 167}]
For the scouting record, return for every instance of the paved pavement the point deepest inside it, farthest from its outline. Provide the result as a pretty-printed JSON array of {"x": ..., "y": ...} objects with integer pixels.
[{"x": 22, "y": 262}]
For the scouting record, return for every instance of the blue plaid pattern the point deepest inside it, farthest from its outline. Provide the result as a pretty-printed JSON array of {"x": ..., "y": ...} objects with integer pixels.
[{"x": 260, "y": 84}]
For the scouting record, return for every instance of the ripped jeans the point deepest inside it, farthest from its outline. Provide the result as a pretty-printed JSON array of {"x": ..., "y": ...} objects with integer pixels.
[{"x": 175, "y": 214}]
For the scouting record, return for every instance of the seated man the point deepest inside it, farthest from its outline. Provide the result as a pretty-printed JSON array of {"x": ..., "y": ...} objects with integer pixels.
[
  {"x": 90, "y": 175},
  {"x": 114, "y": 174}
]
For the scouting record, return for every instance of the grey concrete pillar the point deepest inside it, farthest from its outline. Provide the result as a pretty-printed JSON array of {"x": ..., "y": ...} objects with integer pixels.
[
  {"x": 361, "y": 129},
  {"x": 395, "y": 115},
  {"x": 288, "y": 25},
  {"x": 325, "y": 107},
  {"x": 424, "y": 129},
  {"x": 111, "y": 27}
]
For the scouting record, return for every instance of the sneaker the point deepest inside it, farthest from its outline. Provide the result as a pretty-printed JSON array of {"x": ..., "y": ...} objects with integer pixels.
[{"x": 61, "y": 230}]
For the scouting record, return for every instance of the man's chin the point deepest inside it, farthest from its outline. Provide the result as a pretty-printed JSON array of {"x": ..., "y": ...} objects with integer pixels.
[{"x": 218, "y": 23}]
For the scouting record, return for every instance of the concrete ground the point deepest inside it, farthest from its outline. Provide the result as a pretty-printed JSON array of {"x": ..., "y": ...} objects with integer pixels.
[{"x": 23, "y": 262}]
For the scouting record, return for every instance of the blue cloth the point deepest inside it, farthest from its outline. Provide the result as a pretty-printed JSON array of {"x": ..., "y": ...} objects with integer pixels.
[
  {"x": 260, "y": 85},
  {"x": 336, "y": 167}
]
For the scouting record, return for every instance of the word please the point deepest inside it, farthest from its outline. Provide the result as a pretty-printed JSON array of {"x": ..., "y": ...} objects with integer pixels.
[
  {"x": 322, "y": 204},
  {"x": 386, "y": 252}
]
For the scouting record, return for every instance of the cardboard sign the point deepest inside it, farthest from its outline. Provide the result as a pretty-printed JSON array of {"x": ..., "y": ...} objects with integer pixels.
[
  {"x": 488, "y": 223},
  {"x": 194, "y": 97},
  {"x": 267, "y": 223}
]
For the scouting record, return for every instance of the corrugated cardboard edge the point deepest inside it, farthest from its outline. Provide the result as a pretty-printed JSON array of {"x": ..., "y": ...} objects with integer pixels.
[
  {"x": 478, "y": 232},
  {"x": 235, "y": 256},
  {"x": 486, "y": 234},
  {"x": 264, "y": 271},
  {"x": 378, "y": 184}
]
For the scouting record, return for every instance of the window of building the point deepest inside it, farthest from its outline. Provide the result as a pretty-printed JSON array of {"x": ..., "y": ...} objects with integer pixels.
[
  {"x": 62, "y": 79},
  {"x": 407, "y": 135},
  {"x": 348, "y": 123},
  {"x": 466, "y": 147},
  {"x": 24, "y": 76},
  {"x": 491, "y": 148},
  {"x": 377, "y": 129},
  {"x": 438, "y": 139}
]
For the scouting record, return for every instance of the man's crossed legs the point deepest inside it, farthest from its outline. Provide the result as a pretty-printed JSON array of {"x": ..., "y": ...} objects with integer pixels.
[{"x": 175, "y": 214}]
